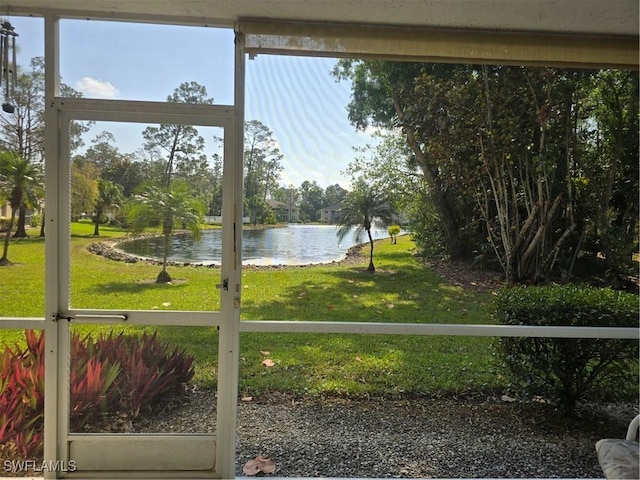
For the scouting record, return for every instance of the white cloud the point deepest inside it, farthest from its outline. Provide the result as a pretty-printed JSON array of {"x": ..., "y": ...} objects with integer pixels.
[{"x": 94, "y": 88}]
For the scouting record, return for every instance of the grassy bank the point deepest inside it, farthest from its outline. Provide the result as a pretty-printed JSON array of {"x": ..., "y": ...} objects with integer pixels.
[{"x": 400, "y": 291}]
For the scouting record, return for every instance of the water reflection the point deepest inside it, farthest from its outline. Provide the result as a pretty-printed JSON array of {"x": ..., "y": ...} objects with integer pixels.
[{"x": 290, "y": 245}]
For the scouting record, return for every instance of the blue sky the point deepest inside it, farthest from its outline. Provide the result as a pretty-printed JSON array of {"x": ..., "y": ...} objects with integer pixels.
[{"x": 295, "y": 97}]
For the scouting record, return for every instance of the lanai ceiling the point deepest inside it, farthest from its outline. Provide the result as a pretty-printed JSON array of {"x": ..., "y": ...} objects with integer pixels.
[{"x": 590, "y": 17}]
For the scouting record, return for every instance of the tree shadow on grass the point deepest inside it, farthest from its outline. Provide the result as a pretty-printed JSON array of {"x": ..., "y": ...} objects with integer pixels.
[
  {"x": 397, "y": 293},
  {"x": 137, "y": 287},
  {"x": 401, "y": 290},
  {"x": 355, "y": 365}
]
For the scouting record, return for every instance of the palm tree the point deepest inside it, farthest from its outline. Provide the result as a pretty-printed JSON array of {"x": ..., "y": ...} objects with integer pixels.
[
  {"x": 394, "y": 230},
  {"x": 362, "y": 208},
  {"x": 166, "y": 207},
  {"x": 20, "y": 178},
  {"x": 109, "y": 195}
]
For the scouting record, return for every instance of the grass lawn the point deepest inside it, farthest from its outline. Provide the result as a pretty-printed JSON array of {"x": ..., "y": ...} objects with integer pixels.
[{"x": 401, "y": 290}]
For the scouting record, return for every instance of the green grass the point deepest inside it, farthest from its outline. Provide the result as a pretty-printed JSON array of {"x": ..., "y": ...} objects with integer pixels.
[{"x": 401, "y": 291}]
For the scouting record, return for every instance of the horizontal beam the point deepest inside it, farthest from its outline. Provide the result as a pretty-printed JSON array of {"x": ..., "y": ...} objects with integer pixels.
[
  {"x": 275, "y": 326},
  {"x": 177, "y": 318},
  {"x": 212, "y": 319},
  {"x": 100, "y": 13},
  {"x": 141, "y": 111},
  {"x": 22, "y": 323},
  {"x": 441, "y": 45}
]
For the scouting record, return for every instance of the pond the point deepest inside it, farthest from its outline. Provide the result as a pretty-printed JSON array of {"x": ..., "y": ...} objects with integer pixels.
[{"x": 290, "y": 245}]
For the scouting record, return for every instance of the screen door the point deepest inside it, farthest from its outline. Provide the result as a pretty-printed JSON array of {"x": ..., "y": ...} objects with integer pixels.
[{"x": 143, "y": 315}]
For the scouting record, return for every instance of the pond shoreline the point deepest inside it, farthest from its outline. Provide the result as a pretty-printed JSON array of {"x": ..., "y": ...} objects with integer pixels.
[{"x": 108, "y": 249}]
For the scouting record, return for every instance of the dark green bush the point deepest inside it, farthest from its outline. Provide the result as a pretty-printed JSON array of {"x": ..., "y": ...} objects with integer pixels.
[{"x": 565, "y": 370}]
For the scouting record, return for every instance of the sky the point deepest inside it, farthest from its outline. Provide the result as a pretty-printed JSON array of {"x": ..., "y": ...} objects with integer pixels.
[{"x": 296, "y": 97}]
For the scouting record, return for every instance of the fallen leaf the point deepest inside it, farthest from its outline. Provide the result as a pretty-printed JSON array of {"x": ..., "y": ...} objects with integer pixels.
[
  {"x": 264, "y": 353},
  {"x": 155, "y": 307},
  {"x": 329, "y": 307},
  {"x": 252, "y": 467},
  {"x": 351, "y": 281},
  {"x": 246, "y": 399},
  {"x": 267, "y": 362},
  {"x": 259, "y": 464},
  {"x": 302, "y": 294},
  {"x": 358, "y": 359},
  {"x": 267, "y": 465},
  {"x": 166, "y": 304},
  {"x": 390, "y": 306}
]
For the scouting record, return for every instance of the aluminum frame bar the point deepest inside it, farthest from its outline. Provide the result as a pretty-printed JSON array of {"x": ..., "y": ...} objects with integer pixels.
[{"x": 430, "y": 329}]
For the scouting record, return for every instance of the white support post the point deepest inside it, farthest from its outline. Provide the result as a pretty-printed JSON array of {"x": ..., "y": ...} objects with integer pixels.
[
  {"x": 229, "y": 337},
  {"x": 52, "y": 196}
]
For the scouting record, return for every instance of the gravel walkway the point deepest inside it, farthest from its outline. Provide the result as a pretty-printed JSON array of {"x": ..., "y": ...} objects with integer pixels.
[{"x": 418, "y": 438}]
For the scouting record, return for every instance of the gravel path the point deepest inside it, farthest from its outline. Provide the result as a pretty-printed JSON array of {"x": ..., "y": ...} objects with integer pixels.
[{"x": 418, "y": 438}]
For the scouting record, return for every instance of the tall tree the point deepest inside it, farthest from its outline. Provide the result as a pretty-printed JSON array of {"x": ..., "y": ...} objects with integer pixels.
[
  {"x": 103, "y": 150},
  {"x": 388, "y": 166},
  {"x": 608, "y": 167},
  {"x": 311, "y": 197},
  {"x": 514, "y": 155},
  {"x": 22, "y": 131},
  {"x": 17, "y": 176},
  {"x": 333, "y": 195},
  {"x": 110, "y": 195},
  {"x": 215, "y": 202},
  {"x": 361, "y": 209},
  {"x": 289, "y": 196},
  {"x": 384, "y": 95},
  {"x": 125, "y": 171},
  {"x": 84, "y": 187},
  {"x": 262, "y": 164},
  {"x": 178, "y": 144}
]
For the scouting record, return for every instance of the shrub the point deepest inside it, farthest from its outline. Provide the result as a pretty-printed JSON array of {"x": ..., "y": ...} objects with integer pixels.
[
  {"x": 426, "y": 227},
  {"x": 36, "y": 220},
  {"x": 565, "y": 370},
  {"x": 114, "y": 374},
  {"x": 393, "y": 231},
  {"x": 22, "y": 398},
  {"x": 150, "y": 370}
]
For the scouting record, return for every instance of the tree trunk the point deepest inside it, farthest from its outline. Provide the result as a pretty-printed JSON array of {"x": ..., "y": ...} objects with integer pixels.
[
  {"x": 163, "y": 276},
  {"x": 21, "y": 231},
  {"x": 441, "y": 200},
  {"x": 371, "y": 267},
  {"x": 96, "y": 223},
  {"x": 4, "y": 260}
]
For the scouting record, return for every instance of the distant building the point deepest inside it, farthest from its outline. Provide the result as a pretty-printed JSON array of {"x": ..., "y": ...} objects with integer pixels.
[
  {"x": 283, "y": 212},
  {"x": 330, "y": 214},
  {"x": 5, "y": 213}
]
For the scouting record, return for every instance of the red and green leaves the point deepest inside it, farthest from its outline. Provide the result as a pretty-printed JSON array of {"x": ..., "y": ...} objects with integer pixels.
[{"x": 120, "y": 374}]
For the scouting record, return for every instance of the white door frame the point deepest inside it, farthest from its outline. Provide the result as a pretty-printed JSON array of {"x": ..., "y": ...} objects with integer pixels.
[{"x": 99, "y": 455}]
